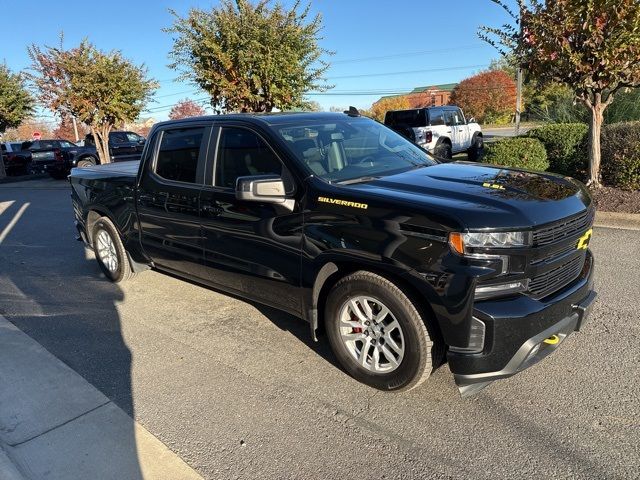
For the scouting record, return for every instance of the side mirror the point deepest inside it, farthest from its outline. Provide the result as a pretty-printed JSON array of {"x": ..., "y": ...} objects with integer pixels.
[
  {"x": 261, "y": 188},
  {"x": 471, "y": 120}
]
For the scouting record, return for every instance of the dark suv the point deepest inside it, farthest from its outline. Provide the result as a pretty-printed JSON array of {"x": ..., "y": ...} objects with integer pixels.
[{"x": 57, "y": 157}]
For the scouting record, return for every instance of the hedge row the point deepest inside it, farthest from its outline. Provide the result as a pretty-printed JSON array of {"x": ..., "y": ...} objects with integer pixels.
[
  {"x": 621, "y": 155},
  {"x": 519, "y": 152},
  {"x": 563, "y": 148}
]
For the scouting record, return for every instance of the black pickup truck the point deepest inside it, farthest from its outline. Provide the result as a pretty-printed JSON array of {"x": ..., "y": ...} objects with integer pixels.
[
  {"x": 404, "y": 262},
  {"x": 57, "y": 157}
]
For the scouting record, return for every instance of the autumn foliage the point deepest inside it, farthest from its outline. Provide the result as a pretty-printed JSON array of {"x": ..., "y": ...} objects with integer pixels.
[
  {"x": 488, "y": 96},
  {"x": 186, "y": 108},
  {"x": 382, "y": 106}
]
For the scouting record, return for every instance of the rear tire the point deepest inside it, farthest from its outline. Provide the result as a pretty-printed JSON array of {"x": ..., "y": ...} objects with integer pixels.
[
  {"x": 401, "y": 333},
  {"x": 443, "y": 151},
  {"x": 86, "y": 162},
  {"x": 110, "y": 253}
]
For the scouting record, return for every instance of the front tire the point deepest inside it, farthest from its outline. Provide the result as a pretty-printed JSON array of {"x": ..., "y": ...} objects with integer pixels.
[
  {"x": 477, "y": 147},
  {"x": 110, "y": 253},
  {"x": 377, "y": 333}
]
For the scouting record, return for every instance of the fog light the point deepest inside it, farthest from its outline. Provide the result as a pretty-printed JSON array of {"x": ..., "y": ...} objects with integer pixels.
[
  {"x": 477, "y": 335},
  {"x": 498, "y": 289}
]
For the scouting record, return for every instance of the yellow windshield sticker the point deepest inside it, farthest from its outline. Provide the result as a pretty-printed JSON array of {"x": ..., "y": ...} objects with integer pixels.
[
  {"x": 344, "y": 203},
  {"x": 493, "y": 185},
  {"x": 583, "y": 241}
]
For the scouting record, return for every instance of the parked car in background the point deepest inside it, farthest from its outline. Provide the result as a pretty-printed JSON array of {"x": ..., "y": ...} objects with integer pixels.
[
  {"x": 123, "y": 146},
  {"x": 57, "y": 157},
  {"x": 52, "y": 156},
  {"x": 443, "y": 131},
  {"x": 16, "y": 161}
]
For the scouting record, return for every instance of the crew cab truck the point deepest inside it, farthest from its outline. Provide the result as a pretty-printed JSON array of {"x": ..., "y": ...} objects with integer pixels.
[
  {"x": 404, "y": 262},
  {"x": 443, "y": 131}
]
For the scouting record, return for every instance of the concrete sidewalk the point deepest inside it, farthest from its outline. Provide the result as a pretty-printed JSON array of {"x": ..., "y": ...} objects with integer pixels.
[
  {"x": 55, "y": 425},
  {"x": 623, "y": 221}
]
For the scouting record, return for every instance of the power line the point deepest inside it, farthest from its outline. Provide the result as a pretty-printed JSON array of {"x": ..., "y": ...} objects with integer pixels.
[
  {"x": 405, "y": 55},
  {"x": 407, "y": 72}
]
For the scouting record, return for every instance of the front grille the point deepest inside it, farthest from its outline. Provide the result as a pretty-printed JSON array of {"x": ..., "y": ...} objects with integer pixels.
[
  {"x": 555, "y": 255},
  {"x": 564, "y": 229},
  {"x": 553, "y": 280}
]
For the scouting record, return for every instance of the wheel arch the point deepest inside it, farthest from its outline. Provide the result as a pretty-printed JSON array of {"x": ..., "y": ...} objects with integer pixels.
[
  {"x": 85, "y": 156},
  {"x": 443, "y": 139},
  {"x": 334, "y": 270},
  {"x": 93, "y": 215}
]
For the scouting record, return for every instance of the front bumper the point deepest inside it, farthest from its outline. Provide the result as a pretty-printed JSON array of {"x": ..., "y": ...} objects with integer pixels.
[{"x": 520, "y": 332}]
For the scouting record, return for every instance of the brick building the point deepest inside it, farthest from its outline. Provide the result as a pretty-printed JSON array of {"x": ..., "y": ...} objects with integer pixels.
[{"x": 430, "y": 96}]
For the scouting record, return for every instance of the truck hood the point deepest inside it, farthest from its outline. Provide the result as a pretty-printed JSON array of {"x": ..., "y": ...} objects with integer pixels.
[{"x": 484, "y": 196}]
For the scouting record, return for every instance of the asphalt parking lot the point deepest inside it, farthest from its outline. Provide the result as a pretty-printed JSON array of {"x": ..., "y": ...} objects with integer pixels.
[{"x": 238, "y": 390}]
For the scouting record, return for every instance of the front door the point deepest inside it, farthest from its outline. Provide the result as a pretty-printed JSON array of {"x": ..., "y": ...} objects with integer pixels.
[
  {"x": 252, "y": 248},
  {"x": 169, "y": 196}
]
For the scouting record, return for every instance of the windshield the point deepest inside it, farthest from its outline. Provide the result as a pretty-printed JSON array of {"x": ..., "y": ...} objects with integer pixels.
[{"x": 352, "y": 148}]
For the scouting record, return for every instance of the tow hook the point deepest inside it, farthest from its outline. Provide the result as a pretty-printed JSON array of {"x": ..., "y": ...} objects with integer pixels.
[{"x": 552, "y": 340}]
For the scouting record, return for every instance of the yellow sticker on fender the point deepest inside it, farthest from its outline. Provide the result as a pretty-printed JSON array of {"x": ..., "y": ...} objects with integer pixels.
[
  {"x": 583, "y": 241},
  {"x": 345, "y": 203}
]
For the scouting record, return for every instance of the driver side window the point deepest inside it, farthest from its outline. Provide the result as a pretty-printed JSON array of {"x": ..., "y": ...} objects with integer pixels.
[{"x": 242, "y": 153}]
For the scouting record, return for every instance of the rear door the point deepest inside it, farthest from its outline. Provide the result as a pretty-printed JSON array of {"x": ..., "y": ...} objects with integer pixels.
[
  {"x": 121, "y": 148},
  {"x": 169, "y": 195},
  {"x": 137, "y": 143},
  {"x": 459, "y": 130},
  {"x": 252, "y": 248}
]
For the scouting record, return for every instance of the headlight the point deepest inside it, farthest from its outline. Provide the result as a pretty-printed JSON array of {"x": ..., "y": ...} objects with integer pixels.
[{"x": 460, "y": 242}]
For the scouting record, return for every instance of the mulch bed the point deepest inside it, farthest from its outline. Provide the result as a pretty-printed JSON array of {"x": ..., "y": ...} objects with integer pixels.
[{"x": 616, "y": 200}]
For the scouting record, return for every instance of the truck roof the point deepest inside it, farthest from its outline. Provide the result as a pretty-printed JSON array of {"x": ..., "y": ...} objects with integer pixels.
[{"x": 272, "y": 118}]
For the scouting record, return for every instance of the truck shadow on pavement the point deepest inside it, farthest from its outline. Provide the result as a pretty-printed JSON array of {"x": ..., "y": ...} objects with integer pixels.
[{"x": 52, "y": 291}]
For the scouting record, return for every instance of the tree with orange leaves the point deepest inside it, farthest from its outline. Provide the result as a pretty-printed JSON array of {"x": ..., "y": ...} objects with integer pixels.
[{"x": 488, "y": 96}]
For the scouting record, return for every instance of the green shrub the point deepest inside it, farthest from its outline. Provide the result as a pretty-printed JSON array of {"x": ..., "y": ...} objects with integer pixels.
[
  {"x": 566, "y": 146},
  {"x": 519, "y": 152},
  {"x": 620, "y": 164}
]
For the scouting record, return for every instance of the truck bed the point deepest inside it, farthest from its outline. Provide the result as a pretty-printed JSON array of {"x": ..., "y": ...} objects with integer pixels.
[{"x": 118, "y": 169}]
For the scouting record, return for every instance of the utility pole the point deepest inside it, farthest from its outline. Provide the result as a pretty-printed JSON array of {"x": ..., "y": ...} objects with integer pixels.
[
  {"x": 75, "y": 128},
  {"x": 519, "y": 71},
  {"x": 518, "y": 98}
]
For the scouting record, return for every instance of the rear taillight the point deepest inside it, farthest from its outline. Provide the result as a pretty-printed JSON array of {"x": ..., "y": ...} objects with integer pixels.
[
  {"x": 428, "y": 136},
  {"x": 58, "y": 155}
]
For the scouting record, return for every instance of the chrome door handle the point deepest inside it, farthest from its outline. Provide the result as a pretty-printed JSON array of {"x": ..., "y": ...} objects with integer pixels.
[{"x": 212, "y": 209}]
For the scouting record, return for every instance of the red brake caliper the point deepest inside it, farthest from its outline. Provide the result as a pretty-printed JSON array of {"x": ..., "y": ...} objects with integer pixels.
[{"x": 355, "y": 329}]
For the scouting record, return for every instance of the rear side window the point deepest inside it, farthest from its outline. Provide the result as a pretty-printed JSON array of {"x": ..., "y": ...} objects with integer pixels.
[
  {"x": 436, "y": 117},
  {"x": 406, "y": 118},
  {"x": 242, "y": 153},
  {"x": 117, "y": 137},
  {"x": 133, "y": 137},
  {"x": 178, "y": 154}
]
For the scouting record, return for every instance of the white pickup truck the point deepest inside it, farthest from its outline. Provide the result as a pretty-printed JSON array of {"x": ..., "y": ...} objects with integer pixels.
[{"x": 443, "y": 131}]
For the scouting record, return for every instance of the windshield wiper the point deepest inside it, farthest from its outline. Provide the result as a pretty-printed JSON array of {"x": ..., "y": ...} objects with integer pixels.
[{"x": 350, "y": 181}]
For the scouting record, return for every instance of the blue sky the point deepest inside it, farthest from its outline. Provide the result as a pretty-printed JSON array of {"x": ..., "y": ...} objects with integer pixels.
[{"x": 438, "y": 39}]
